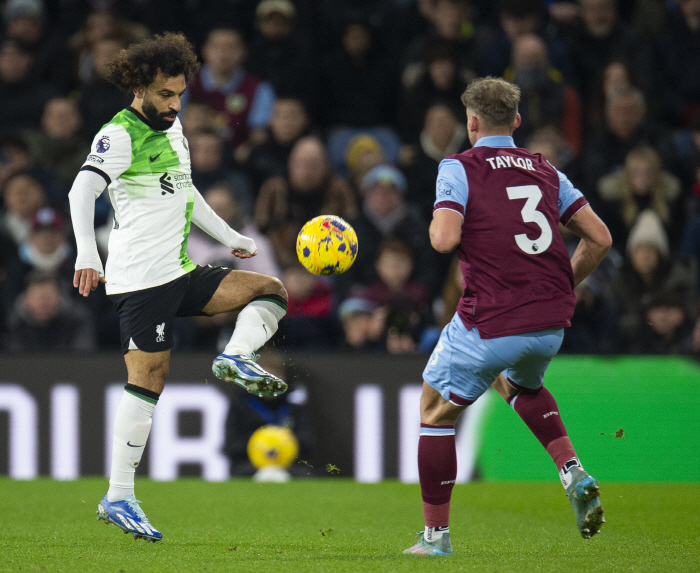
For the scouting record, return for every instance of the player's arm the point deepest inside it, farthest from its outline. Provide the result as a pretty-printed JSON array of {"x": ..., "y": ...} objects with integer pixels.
[
  {"x": 445, "y": 230},
  {"x": 110, "y": 156},
  {"x": 87, "y": 187},
  {"x": 594, "y": 245},
  {"x": 452, "y": 193},
  {"x": 577, "y": 216},
  {"x": 204, "y": 217}
]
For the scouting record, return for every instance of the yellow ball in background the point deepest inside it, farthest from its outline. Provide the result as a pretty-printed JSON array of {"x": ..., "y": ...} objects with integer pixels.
[
  {"x": 327, "y": 245},
  {"x": 272, "y": 446}
]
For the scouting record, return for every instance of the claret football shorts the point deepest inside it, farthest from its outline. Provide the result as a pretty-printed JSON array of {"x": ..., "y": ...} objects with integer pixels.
[
  {"x": 146, "y": 316},
  {"x": 464, "y": 365}
]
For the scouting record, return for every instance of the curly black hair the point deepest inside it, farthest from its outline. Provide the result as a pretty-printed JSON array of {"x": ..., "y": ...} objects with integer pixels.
[{"x": 137, "y": 66}]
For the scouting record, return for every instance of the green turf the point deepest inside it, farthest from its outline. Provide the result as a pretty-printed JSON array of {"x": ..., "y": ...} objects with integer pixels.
[{"x": 336, "y": 525}]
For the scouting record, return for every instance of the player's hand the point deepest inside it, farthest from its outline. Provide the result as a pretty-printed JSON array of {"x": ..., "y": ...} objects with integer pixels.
[
  {"x": 86, "y": 280},
  {"x": 243, "y": 254}
]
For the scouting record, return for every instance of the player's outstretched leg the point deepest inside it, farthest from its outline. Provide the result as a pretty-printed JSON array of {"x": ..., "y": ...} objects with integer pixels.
[
  {"x": 540, "y": 412},
  {"x": 437, "y": 470},
  {"x": 256, "y": 324}
]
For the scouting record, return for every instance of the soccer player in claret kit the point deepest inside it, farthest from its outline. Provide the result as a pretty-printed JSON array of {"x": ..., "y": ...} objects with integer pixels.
[
  {"x": 500, "y": 206},
  {"x": 143, "y": 159}
]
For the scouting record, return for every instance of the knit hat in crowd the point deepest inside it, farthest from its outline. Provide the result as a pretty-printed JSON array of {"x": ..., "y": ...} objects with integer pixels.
[
  {"x": 385, "y": 174},
  {"x": 648, "y": 230},
  {"x": 358, "y": 146}
]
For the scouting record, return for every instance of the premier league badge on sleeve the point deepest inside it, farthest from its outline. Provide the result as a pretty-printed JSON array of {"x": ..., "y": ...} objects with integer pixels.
[{"x": 102, "y": 144}]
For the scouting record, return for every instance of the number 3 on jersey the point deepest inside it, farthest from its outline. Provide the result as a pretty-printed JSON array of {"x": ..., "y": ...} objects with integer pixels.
[{"x": 530, "y": 214}]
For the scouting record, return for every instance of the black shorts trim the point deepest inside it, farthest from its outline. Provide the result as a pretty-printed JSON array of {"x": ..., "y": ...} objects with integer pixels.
[{"x": 146, "y": 316}]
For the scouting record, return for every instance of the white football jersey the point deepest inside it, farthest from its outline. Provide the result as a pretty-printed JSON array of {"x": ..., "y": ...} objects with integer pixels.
[{"x": 150, "y": 186}]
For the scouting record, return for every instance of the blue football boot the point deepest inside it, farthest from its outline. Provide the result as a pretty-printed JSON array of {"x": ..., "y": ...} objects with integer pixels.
[
  {"x": 242, "y": 369},
  {"x": 442, "y": 546},
  {"x": 585, "y": 501},
  {"x": 127, "y": 515}
]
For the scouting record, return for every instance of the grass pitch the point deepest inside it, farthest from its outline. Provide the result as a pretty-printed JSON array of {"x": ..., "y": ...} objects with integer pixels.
[{"x": 336, "y": 525}]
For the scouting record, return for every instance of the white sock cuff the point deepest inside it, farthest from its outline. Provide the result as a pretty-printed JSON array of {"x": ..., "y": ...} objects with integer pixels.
[
  {"x": 275, "y": 305},
  {"x": 132, "y": 400}
]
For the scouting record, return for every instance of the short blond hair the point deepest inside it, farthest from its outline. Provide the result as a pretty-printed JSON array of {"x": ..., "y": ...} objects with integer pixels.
[{"x": 494, "y": 100}]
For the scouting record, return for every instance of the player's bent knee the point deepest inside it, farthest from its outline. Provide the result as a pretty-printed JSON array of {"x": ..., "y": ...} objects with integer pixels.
[{"x": 274, "y": 286}]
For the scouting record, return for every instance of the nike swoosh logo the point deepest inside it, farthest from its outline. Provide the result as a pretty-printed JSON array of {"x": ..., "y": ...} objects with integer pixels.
[
  {"x": 154, "y": 158},
  {"x": 133, "y": 446}
]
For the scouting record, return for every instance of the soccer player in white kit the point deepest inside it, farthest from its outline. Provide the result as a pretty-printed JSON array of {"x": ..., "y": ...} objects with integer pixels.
[{"x": 143, "y": 159}]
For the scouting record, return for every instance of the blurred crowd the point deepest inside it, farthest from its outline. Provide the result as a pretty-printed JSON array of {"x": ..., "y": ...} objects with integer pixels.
[{"x": 346, "y": 107}]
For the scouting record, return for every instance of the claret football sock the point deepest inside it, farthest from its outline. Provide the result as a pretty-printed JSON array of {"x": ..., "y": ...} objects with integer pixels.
[
  {"x": 256, "y": 324},
  {"x": 437, "y": 469},
  {"x": 540, "y": 413},
  {"x": 132, "y": 424}
]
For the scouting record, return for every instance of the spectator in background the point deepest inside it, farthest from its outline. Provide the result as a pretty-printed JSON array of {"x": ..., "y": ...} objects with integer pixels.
[
  {"x": 385, "y": 215},
  {"x": 452, "y": 38},
  {"x": 243, "y": 103},
  {"x": 406, "y": 302},
  {"x": 549, "y": 142},
  {"x": 616, "y": 76},
  {"x": 687, "y": 151},
  {"x": 25, "y": 20},
  {"x": 362, "y": 153},
  {"x": 22, "y": 97},
  {"x": 44, "y": 319},
  {"x": 288, "y": 124},
  {"x": 600, "y": 37},
  {"x": 15, "y": 158},
  {"x": 680, "y": 56},
  {"x": 281, "y": 54},
  {"x": 196, "y": 117},
  {"x": 362, "y": 325},
  {"x": 357, "y": 80},
  {"x": 310, "y": 189},
  {"x": 666, "y": 327},
  {"x": 442, "y": 135},
  {"x": 624, "y": 130},
  {"x": 595, "y": 325},
  {"x": 45, "y": 249},
  {"x": 247, "y": 413},
  {"x": 649, "y": 269},
  {"x": 100, "y": 100},
  {"x": 204, "y": 250},
  {"x": 309, "y": 322},
  {"x": 101, "y": 25},
  {"x": 23, "y": 196},
  {"x": 641, "y": 185},
  {"x": 57, "y": 146},
  {"x": 439, "y": 80},
  {"x": 517, "y": 18},
  {"x": 546, "y": 99},
  {"x": 210, "y": 165}
]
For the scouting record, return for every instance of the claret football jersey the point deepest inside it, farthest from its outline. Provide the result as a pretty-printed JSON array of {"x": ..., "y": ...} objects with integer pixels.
[
  {"x": 150, "y": 186},
  {"x": 516, "y": 270}
]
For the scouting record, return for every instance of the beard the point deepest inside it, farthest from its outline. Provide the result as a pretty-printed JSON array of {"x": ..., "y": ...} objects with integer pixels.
[{"x": 155, "y": 118}]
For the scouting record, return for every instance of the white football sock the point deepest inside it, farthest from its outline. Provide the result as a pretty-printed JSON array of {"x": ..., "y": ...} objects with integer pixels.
[
  {"x": 132, "y": 424},
  {"x": 255, "y": 325},
  {"x": 432, "y": 534}
]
